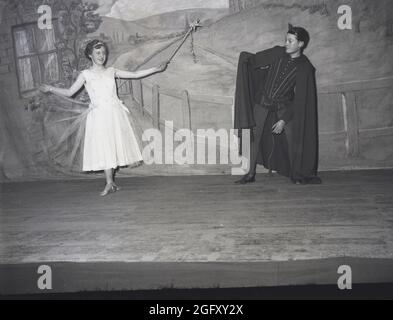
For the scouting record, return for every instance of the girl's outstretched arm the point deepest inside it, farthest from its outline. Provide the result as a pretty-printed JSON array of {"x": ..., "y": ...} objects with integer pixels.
[
  {"x": 79, "y": 82},
  {"x": 140, "y": 74}
]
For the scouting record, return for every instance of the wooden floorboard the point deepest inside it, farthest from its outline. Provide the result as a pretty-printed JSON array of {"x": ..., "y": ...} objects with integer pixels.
[{"x": 198, "y": 219}]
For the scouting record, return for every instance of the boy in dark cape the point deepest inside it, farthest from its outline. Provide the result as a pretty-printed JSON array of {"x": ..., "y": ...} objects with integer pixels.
[{"x": 276, "y": 99}]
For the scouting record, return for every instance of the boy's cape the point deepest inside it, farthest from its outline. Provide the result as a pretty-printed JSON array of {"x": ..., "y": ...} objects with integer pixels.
[{"x": 304, "y": 139}]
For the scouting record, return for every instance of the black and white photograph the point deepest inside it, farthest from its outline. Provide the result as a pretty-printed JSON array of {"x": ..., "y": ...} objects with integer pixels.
[{"x": 196, "y": 150}]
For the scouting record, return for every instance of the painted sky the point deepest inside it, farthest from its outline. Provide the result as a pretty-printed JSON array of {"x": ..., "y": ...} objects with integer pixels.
[{"x": 138, "y": 9}]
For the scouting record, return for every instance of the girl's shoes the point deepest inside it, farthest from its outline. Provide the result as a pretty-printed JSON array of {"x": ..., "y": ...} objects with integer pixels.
[
  {"x": 117, "y": 188},
  {"x": 109, "y": 188}
]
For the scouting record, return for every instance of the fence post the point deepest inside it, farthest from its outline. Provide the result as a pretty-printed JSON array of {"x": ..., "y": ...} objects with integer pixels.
[
  {"x": 3, "y": 176},
  {"x": 156, "y": 106},
  {"x": 352, "y": 123},
  {"x": 130, "y": 89},
  {"x": 186, "y": 110},
  {"x": 139, "y": 95}
]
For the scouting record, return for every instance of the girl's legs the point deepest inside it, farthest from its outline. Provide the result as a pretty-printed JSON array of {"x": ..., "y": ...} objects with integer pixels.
[
  {"x": 113, "y": 179},
  {"x": 109, "y": 176},
  {"x": 109, "y": 188},
  {"x": 110, "y": 184}
]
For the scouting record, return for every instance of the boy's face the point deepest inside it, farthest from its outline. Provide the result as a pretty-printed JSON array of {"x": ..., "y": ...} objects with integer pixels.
[
  {"x": 98, "y": 56},
  {"x": 292, "y": 44}
]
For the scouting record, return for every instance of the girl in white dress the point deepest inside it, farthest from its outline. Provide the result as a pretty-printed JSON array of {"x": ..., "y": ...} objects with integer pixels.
[{"x": 109, "y": 140}]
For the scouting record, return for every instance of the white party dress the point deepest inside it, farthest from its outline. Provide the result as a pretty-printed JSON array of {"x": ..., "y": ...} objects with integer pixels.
[{"x": 109, "y": 140}]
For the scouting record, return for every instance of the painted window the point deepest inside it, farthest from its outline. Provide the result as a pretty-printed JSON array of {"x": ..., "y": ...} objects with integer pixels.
[{"x": 36, "y": 57}]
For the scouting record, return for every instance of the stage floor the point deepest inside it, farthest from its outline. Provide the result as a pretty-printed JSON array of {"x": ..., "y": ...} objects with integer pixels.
[{"x": 196, "y": 219}]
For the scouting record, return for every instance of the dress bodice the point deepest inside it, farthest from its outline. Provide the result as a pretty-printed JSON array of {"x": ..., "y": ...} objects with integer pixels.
[{"x": 101, "y": 87}]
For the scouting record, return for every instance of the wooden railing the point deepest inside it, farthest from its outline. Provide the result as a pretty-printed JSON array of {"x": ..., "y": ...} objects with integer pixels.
[
  {"x": 349, "y": 94},
  {"x": 137, "y": 90},
  {"x": 342, "y": 117}
]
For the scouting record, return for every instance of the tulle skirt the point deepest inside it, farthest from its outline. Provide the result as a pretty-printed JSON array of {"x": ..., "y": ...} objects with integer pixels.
[
  {"x": 81, "y": 138},
  {"x": 109, "y": 140}
]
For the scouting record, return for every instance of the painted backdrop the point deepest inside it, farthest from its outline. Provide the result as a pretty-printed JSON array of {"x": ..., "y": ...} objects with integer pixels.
[{"x": 354, "y": 72}]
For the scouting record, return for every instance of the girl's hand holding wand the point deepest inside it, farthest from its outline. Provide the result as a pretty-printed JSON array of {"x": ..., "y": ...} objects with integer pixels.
[{"x": 45, "y": 88}]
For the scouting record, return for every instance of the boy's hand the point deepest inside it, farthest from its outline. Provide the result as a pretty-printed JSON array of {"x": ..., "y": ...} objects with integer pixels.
[{"x": 278, "y": 127}]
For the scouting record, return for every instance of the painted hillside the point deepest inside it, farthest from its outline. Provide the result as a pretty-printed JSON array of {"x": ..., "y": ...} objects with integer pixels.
[
  {"x": 158, "y": 25},
  {"x": 339, "y": 55}
]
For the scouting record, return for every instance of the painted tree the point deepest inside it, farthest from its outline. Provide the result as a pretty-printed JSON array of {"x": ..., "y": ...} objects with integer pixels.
[
  {"x": 76, "y": 19},
  {"x": 73, "y": 20}
]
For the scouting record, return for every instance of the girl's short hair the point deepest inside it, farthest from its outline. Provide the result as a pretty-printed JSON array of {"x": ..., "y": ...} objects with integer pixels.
[{"x": 94, "y": 44}]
